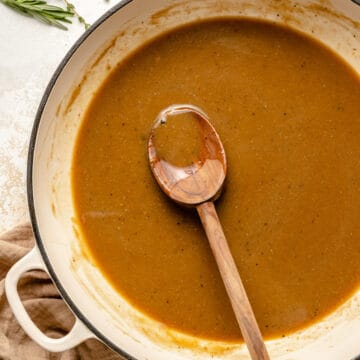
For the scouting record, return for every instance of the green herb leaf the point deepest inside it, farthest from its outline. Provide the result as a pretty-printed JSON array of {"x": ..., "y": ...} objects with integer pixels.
[{"x": 48, "y": 14}]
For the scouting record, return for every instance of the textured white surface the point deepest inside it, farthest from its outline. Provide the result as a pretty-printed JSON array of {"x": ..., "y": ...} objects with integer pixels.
[{"x": 29, "y": 54}]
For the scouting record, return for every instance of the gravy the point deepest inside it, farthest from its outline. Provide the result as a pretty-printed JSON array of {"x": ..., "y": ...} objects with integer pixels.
[{"x": 288, "y": 112}]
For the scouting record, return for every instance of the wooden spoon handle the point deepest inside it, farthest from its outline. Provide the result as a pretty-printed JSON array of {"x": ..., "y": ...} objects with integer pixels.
[{"x": 233, "y": 284}]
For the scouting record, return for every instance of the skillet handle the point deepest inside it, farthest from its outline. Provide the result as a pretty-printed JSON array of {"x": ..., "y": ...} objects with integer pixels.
[{"x": 79, "y": 332}]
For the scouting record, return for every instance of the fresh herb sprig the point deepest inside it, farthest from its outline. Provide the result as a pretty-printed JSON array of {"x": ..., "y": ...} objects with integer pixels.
[{"x": 42, "y": 11}]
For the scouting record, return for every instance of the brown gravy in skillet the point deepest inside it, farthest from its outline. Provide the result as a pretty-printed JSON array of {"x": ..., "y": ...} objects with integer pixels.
[{"x": 288, "y": 112}]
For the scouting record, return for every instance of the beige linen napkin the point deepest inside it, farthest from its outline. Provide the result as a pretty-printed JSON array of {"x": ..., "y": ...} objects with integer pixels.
[{"x": 44, "y": 305}]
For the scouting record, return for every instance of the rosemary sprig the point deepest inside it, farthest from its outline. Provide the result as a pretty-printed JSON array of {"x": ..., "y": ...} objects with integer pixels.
[{"x": 42, "y": 11}]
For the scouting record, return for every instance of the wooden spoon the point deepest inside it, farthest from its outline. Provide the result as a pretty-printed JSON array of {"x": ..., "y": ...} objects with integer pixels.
[{"x": 199, "y": 184}]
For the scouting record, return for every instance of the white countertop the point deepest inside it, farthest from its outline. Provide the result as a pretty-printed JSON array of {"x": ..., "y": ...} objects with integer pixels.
[{"x": 29, "y": 53}]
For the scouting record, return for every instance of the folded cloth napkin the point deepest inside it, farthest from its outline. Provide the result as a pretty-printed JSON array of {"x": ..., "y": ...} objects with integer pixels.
[{"x": 44, "y": 305}]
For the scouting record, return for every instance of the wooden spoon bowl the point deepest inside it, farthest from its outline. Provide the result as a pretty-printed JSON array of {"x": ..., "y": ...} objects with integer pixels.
[{"x": 200, "y": 181}]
